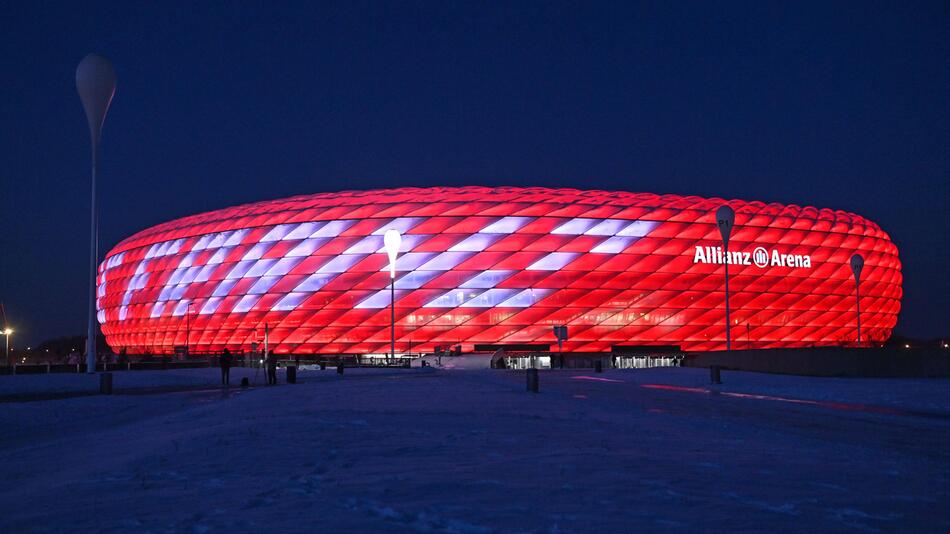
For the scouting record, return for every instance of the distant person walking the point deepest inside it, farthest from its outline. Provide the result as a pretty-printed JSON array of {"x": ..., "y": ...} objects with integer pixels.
[
  {"x": 271, "y": 369},
  {"x": 225, "y": 362}
]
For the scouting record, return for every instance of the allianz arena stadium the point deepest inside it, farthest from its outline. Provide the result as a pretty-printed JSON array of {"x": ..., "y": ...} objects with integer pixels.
[{"x": 497, "y": 267}]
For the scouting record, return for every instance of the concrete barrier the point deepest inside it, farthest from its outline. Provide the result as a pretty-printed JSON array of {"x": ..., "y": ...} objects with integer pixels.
[
  {"x": 105, "y": 384},
  {"x": 533, "y": 380}
]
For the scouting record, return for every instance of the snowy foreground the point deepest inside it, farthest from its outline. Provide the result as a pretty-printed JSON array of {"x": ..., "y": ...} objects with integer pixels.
[{"x": 469, "y": 450}]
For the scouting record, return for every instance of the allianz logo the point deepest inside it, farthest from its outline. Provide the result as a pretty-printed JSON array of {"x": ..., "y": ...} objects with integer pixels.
[{"x": 760, "y": 257}]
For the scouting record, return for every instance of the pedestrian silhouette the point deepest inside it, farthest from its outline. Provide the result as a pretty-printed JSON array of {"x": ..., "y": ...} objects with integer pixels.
[{"x": 225, "y": 362}]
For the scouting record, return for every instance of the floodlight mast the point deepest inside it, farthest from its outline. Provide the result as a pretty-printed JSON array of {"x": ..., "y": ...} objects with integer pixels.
[
  {"x": 392, "y": 241},
  {"x": 95, "y": 82},
  {"x": 725, "y": 218}
]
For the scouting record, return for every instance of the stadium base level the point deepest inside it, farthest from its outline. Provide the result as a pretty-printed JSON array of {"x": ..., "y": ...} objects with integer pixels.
[{"x": 573, "y": 360}]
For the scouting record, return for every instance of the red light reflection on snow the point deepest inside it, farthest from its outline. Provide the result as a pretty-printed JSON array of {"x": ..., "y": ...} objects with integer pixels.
[
  {"x": 825, "y": 404},
  {"x": 596, "y": 379},
  {"x": 674, "y": 388}
]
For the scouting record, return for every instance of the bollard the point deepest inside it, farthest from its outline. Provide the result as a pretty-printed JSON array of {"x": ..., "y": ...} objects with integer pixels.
[
  {"x": 323, "y": 366},
  {"x": 714, "y": 374},
  {"x": 105, "y": 384},
  {"x": 598, "y": 366},
  {"x": 339, "y": 368},
  {"x": 245, "y": 382},
  {"x": 292, "y": 375},
  {"x": 533, "y": 380}
]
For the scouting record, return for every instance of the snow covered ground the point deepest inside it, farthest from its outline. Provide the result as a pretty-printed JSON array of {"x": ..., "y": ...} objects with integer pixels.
[
  {"x": 465, "y": 449},
  {"x": 56, "y": 383}
]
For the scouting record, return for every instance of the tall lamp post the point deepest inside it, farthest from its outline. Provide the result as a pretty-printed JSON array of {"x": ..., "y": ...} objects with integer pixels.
[
  {"x": 857, "y": 264},
  {"x": 392, "y": 240},
  {"x": 188, "y": 330},
  {"x": 725, "y": 218},
  {"x": 7, "y": 332},
  {"x": 95, "y": 82}
]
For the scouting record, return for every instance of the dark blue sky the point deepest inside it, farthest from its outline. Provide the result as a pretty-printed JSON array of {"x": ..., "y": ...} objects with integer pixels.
[{"x": 840, "y": 105}]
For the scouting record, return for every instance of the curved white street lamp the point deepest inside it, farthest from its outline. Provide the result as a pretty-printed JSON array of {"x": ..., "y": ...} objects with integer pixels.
[
  {"x": 392, "y": 240},
  {"x": 857, "y": 264},
  {"x": 95, "y": 82},
  {"x": 725, "y": 218}
]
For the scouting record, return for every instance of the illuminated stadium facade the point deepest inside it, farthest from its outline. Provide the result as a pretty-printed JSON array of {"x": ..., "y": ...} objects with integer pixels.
[{"x": 497, "y": 266}]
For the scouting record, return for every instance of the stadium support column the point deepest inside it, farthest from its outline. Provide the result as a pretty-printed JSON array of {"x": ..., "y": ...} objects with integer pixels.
[
  {"x": 392, "y": 240},
  {"x": 95, "y": 82},
  {"x": 857, "y": 264},
  {"x": 725, "y": 218}
]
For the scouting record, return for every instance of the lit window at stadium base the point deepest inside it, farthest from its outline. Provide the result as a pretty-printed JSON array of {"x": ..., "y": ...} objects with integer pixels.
[{"x": 496, "y": 266}]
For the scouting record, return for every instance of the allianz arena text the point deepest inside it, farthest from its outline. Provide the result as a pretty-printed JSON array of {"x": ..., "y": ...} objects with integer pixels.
[{"x": 497, "y": 266}]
